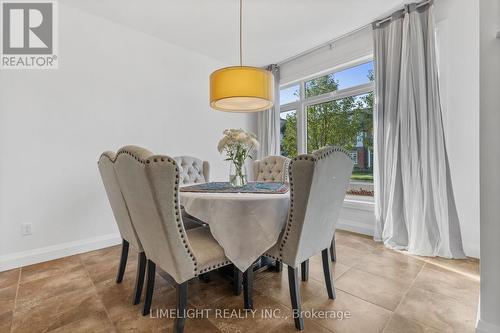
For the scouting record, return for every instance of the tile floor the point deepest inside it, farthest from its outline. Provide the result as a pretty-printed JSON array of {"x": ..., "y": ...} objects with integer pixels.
[{"x": 383, "y": 290}]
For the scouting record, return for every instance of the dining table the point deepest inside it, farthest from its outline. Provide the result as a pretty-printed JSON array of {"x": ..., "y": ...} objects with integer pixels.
[{"x": 246, "y": 221}]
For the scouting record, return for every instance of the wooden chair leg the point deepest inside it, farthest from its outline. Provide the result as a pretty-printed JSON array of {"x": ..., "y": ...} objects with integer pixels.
[
  {"x": 333, "y": 250},
  {"x": 304, "y": 270},
  {"x": 237, "y": 281},
  {"x": 293, "y": 281},
  {"x": 150, "y": 286},
  {"x": 139, "y": 278},
  {"x": 248, "y": 288},
  {"x": 327, "y": 270},
  {"x": 279, "y": 266},
  {"x": 180, "y": 319},
  {"x": 123, "y": 261}
]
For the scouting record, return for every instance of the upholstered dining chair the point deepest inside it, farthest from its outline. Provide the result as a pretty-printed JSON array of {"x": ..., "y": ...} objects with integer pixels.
[
  {"x": 318, "y": 183},
  {"x": 125, "y": 226},
  {"x": 192, "y": 170},
  {"x": 275, "y": 169},
  {"x": 150, "y": 186},
  {"x": 271, "y": 169}
]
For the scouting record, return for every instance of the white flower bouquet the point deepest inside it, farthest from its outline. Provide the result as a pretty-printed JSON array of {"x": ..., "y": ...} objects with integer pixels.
[{"x": 238, "y": 145}]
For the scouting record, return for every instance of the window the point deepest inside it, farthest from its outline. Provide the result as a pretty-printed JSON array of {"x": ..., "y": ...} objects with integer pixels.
[
  {"x": 289, "y": 95},
  {"x": 334, "y": 109},
  {"x": 288, "y": 133}
]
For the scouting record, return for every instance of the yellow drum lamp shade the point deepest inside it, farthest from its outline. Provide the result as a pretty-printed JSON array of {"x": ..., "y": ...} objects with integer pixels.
[{"x": 241, "y": 89}]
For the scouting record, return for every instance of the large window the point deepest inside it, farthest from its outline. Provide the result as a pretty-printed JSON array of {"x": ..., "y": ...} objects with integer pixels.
[{"x": 333, "y": 109}]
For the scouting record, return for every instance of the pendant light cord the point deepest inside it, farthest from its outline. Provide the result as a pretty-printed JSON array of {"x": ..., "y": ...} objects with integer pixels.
[{"x": 241, "y": 24}]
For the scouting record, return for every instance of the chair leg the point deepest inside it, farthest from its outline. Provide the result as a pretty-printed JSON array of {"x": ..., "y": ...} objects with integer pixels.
[
  {"x": 279, "y": 266},
  {"x": 293, "y": 281},
  {"x": 237, "y": 281},
  {"x": 139, "y": 278},
  {"x": 150, "y": 286},
  {"x": 304, "y": 269},
  {"x": 248, "y": 288},
  {"x": 123, "y": 261},
  {"x": 333, "y": 250},
  {"x": 180, "y": 319},
  {"x": 327, "y": 270}
]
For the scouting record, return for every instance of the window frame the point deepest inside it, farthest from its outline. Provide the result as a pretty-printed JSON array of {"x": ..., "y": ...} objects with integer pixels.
[{"x": 303, "y": 103}]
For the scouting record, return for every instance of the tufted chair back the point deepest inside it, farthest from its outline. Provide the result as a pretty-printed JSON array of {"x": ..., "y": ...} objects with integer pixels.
[
  {"x": 192, "y": 170},
  {"x": 318, "y": 183},
  {"x": 150, "y": 185},
  {"x": 271, "y": 169},
  {"x": 116, "y": 200}
]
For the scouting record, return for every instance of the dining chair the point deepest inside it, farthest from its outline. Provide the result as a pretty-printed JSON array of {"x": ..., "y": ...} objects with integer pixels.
[
  {"x": 271, "y": 169},
  {"x": 318, "y": 183},
  {"x": 124, "y": 222},
  {"x": 192, "y": 170},
  {"x": 150, "y": 185},
  {"x": 275, "y": 169}
]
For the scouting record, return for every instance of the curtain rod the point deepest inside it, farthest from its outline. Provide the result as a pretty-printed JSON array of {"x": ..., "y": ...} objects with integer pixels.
[{"x": 332, "y": 41}]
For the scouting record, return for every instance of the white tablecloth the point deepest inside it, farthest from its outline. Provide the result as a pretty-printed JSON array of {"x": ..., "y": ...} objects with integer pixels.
[{"x": 245, "y": 224}]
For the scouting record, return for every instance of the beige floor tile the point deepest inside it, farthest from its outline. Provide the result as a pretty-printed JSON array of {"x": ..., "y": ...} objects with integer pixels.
[
  {"x": 349, "y": 256},
  {"x": 443, "y": 281},
  {"x": 363, "y": 316},
  {"x": 51, "y": 268},
  {"x": 7, "y": 298},
  {"x": 355, "y": 241},
  {"x": 438, "y": 311},
  {"x": 277, "y": 287},
  {"x": 309, "y": 326},
  {"x": 33, "y": 292},
  {"x": 5, "y": 321},
  {"x": 378, "y": 290},
  {"x": 468, "y": 267},
  {"x": 399, "y": 324},
  {"x": 268, "y": 315},
  {"x": 393, "y": 266},
  {"x": 80, "y": 308},
  {"x": 117, "y": 299},
  {"x": 9, "y": 278},
  {"x": 103, "y": 265},
  {"x": 98, "y": 323},
  {"x": 79, "y": 294},
  {"x": 316, "y": 269}
]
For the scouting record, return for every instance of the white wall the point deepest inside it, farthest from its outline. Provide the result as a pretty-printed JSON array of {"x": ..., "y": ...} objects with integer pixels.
[
  {"x": 457, "y": 23},
  {"x": 114, "y": 86},
  {"x": 489, "y": 319}
]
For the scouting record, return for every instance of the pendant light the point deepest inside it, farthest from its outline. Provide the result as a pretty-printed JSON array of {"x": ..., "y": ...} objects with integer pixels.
[{"x": 241, "y": 88}]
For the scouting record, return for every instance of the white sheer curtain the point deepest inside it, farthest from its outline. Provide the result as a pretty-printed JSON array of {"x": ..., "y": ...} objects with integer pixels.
[
  {"x": 268, "y": 122},
  {"x": 415, "y": 208}
]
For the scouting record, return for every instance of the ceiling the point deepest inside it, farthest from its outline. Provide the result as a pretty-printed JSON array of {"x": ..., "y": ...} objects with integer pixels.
[{"x": 272, "y": 29}]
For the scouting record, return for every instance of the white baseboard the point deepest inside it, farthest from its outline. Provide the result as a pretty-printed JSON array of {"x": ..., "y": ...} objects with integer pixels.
[
  {"x": 484, "y": 327},
  {"x": 358, "y": 217},
  {"x": 19, "y": 259},
  {"x": 358, "y": 228}
]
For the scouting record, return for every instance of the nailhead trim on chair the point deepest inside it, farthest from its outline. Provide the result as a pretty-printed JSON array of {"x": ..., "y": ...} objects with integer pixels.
[
  {"x": 180, "y": 227},
  {"x": 209, "y": 268},
  {"x": 314, "y": 157}
]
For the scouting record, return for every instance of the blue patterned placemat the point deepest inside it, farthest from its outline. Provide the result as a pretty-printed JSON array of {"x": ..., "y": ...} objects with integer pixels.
[{"x": 225, "y": 187}]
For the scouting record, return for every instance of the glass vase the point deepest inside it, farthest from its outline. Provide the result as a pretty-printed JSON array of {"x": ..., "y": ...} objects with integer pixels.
[{"x": 237, "y": 175}]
